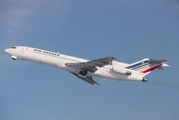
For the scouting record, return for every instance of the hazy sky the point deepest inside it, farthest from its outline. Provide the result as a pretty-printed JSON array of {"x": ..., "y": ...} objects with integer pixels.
[{"x": 127, "y": 29}]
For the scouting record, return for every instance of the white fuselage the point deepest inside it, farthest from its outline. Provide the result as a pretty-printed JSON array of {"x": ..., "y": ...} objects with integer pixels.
[{"x": 59, "y": 60}]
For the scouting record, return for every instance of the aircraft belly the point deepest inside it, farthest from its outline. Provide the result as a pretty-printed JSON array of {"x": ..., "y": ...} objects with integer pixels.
[{"x": 72, "y": 70}]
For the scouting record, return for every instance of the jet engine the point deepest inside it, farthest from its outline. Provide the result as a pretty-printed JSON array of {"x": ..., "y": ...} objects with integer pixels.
[{"x": 121, "y": 71}]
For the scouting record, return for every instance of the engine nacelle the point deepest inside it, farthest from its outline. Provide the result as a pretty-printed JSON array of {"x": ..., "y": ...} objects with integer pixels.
[{"x": 122, "y": 71}]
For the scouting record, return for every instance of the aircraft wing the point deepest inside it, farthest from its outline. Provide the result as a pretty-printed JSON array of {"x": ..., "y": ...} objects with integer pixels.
[
  {"x": 88, "y": 79},
  {"x": 92, "y": 65}
]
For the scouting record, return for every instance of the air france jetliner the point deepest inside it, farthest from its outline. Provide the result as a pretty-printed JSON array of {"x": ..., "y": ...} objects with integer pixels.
[{"x": 106, "y": 68}]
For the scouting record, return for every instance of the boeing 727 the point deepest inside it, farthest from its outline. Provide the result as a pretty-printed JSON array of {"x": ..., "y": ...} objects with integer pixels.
[{"x": 106, "y": 68}]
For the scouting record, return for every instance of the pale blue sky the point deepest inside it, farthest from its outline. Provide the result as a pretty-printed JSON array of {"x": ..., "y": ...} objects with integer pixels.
[{"x": 127, "y": 29}]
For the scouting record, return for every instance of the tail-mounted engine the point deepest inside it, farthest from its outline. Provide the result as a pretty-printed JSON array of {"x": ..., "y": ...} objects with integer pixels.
[{"x": 122, "y": 71}]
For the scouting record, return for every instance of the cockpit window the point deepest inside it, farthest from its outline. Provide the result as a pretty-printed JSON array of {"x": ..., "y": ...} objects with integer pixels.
[{"x": 13, "y": 47}]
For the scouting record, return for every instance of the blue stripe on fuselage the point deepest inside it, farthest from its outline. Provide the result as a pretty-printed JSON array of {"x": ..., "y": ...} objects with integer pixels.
[
  {"x": 144, "y": 65},
  {"x": 138, "y": 64}
]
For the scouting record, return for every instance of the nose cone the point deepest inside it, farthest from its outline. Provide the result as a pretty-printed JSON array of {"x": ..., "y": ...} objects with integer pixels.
[{"x": 7, "y": 51}]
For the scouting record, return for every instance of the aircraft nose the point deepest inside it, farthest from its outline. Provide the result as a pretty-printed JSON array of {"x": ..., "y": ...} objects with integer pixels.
[{"x": 7, "y": 51}]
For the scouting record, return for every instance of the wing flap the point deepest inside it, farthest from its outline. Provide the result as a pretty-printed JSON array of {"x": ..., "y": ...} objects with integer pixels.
[{"x": 88, "y": 79}]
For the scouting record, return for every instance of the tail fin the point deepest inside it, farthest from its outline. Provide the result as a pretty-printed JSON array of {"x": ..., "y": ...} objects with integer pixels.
[{"x": 147, "y": 65}]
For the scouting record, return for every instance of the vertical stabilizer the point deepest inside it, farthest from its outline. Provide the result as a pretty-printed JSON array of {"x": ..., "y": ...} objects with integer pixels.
[{"x": 147, "y": 65}]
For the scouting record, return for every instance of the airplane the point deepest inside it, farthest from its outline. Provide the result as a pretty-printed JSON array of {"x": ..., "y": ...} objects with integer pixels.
[{"x": 106, "y": 68}]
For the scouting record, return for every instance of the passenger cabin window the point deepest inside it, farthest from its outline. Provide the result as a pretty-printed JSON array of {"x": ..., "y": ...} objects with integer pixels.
[{"x": 13, "y": 47}]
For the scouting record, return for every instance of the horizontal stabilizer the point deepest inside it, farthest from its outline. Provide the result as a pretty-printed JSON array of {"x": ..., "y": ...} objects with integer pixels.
[{"x": 162, "y": 61}]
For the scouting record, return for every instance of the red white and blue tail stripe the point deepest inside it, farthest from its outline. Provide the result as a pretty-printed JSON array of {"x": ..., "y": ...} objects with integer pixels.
[{"x": 147, "y": 65}]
